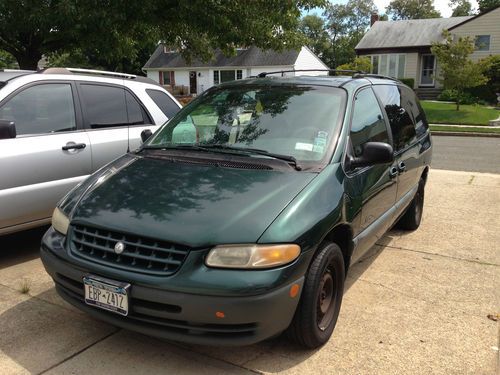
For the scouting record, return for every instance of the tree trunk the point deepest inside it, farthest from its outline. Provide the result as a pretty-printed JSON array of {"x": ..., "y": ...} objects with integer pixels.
[
  {"x": 28, "y": 61},
  {"x": 458, "y": 105}
]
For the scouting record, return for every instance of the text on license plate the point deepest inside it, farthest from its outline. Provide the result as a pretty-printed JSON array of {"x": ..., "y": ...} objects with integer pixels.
[{"x": 106, "y": 294}]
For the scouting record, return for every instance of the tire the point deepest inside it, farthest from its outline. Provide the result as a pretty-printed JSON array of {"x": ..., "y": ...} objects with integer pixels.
[
  {"x": 321, "y": 298},
  {"x": 413, "y": 215}
]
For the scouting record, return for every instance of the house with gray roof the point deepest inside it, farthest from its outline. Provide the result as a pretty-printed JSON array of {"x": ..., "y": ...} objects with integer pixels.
[
  {"x": 168, "y": 68},
  {"x": 402, "y": 49}
]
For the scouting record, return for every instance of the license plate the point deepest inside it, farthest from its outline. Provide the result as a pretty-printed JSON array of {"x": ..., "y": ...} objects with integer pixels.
[{"x": 106, "y": 294}]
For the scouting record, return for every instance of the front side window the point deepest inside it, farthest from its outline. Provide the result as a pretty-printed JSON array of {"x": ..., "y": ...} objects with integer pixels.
[
  {"x": 298, "y": 121},
  {"x": 367, "y": 124},
  {"x": 40, "y": 109},
  {"x": 482, "y": 43},
  {"x": 399, "y": 114},
  {"x": 107, "y": 106}
]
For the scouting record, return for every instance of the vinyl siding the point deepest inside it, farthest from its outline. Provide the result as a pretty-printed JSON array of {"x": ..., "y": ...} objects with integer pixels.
[
  {"x": 487, "y": 24},
  {"x": 308, "y": 60},
  {"x": 412, "y": 67}
]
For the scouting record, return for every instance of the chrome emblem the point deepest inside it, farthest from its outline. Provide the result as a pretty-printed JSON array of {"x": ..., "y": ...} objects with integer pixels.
[{"x": 119, "y": 247}]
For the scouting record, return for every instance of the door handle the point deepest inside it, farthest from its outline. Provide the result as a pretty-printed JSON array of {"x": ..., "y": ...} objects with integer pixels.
[
  {"x": 393, "y": 172},
  {"x": 74, "y": 146},
  {"x": 401, "y": 166}
]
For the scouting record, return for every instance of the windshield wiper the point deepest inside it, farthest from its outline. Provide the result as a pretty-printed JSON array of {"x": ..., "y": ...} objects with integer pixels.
[{"x": 288, "y": 158}]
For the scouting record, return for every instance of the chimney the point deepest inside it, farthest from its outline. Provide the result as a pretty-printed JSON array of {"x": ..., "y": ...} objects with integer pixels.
[{"x": 374, "y": 18}]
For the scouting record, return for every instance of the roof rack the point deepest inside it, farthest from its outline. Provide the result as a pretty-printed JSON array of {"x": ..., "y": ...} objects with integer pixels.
[
  {"x": 355, "y": 73},
  {"x": 87, "y": 71},
  {"x": 264, "y": 74},
  {"x": 373, "y": 75}
]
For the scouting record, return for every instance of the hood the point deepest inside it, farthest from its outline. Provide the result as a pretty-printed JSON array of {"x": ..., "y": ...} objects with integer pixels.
[{"x": 189, "y": 204}]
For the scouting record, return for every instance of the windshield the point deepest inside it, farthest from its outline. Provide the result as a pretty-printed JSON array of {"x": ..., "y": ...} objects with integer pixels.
[{"x": 291, "y": 120}]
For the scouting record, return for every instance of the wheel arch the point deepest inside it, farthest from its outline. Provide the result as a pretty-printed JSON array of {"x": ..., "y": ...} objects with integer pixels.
[{"x": 342, "y": 236}]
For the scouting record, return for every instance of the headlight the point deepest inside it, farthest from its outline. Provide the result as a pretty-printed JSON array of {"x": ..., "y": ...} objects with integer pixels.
[
  {"x": 252, "y": 256},
  {"x": 60, "y": 221}
]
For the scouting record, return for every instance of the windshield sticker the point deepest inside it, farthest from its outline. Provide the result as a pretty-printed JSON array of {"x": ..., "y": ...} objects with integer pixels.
[
  {"x": 303, "y": 146},
  {"x": 318, "y": 149}
]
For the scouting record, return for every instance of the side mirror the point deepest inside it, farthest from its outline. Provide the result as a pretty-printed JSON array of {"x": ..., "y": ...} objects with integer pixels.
[
  {"x": 145, "y": 134},
  {"x": 373, "y": 153},
  {"x": 7, "y": 129}
]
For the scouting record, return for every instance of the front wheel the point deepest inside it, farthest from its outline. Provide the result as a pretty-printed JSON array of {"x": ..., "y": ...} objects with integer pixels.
[{"x": 321, "y": 298}]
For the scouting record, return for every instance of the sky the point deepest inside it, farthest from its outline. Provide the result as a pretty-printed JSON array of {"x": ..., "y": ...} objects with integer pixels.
[{"x": 441, "y": 5}]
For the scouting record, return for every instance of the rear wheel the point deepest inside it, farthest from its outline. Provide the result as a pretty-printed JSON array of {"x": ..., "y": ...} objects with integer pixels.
[
  {"x": 321, "y": 298},
  {"x": 413, "y": 215}
]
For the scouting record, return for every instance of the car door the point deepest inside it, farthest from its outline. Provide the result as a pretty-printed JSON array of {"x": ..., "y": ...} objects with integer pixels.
[
  {"x": 49, "y": 155},
  {"x": 371, "y": 190},
  {"x": 398, "y": 107},
  {"x": 114, "y": 120}
]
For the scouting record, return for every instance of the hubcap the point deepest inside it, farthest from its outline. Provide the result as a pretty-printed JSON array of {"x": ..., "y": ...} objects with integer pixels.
[{"x": 326, "y": 300}]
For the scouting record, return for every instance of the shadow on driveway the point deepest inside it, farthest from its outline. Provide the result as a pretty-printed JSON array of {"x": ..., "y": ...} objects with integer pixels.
[{"x": 37, "y": 333}]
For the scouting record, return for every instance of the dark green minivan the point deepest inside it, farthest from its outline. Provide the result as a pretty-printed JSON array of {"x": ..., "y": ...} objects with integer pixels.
[{"x": 239, "y": 218}]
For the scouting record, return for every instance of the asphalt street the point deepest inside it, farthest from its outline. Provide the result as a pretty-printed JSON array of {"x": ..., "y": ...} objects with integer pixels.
[{"x": 468, "y": 154}]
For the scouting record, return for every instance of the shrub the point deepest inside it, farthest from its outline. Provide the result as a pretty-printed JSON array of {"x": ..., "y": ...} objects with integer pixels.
[
  {"x": 452, "y": 96},
  {"x": 487, "y": 92},
  {"x": 408, "y": 82},
  {"x": 360, "y": 63}
]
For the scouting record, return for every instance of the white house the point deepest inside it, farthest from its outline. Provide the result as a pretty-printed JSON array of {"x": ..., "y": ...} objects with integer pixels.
[{"x": 169, "y": 68}]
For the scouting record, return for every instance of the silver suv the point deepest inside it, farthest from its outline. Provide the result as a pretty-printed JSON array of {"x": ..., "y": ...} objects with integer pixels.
[{"x": 59, "y": 125}]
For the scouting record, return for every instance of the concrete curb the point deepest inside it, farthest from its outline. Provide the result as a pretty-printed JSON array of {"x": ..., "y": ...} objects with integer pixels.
[{"x": 464, "y": 134}]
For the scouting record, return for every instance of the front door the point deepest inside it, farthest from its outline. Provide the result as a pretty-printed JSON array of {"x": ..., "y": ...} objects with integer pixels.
[
  {"x": 49, "y": 156},
  {"x": 192, "y": 82},
  {"x": 371, "y": 190},
  {"x": 428, "y": 67}
]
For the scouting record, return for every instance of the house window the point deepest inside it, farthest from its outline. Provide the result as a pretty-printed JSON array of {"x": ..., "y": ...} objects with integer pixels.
[
  {"x": 391, "y": 65},
  {"x": 221, "y": 76},
  {"x": 167, "y": 78},
  {"x": 482, "y": 43}
]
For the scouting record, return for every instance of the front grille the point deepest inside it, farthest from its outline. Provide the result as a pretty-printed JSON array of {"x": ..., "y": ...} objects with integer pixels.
[{"x": 141, "y": 254}]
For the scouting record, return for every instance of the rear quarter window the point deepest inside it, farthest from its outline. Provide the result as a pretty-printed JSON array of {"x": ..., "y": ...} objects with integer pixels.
[{"x": 164, "y": 102}]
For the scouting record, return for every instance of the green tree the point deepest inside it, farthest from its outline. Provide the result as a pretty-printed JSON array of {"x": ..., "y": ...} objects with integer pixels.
[
  {"x": 362, "y": 64},
  {"x": 460, "y": 8},
  {"x": 114, "y": 31},
  {"x": 7, "y": 61},
  {"x": 313, "y": 28},
  {"x": 346, "y": 25},
  {"x": 412, "y": 9},
  {"x": 458, "y": 71},
  {"x": 485, "y": 5}
]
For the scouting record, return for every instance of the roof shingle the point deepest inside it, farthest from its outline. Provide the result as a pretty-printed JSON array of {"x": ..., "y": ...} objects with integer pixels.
[
  {"x": 252, "y": 56},
  {"x": 407, "y": 33}
]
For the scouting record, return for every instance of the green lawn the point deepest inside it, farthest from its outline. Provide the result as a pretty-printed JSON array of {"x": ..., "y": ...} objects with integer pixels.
[
  {"x": 461, "y": 129},
  {"x": 445, "y": 113}
]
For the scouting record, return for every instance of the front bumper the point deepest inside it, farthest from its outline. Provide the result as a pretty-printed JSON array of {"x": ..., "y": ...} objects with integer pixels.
[{"x": 181, "y": 316}]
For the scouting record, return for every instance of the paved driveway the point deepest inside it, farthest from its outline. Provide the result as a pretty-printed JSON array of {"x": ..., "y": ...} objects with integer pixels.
[{"x": 417, "y": 304}]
